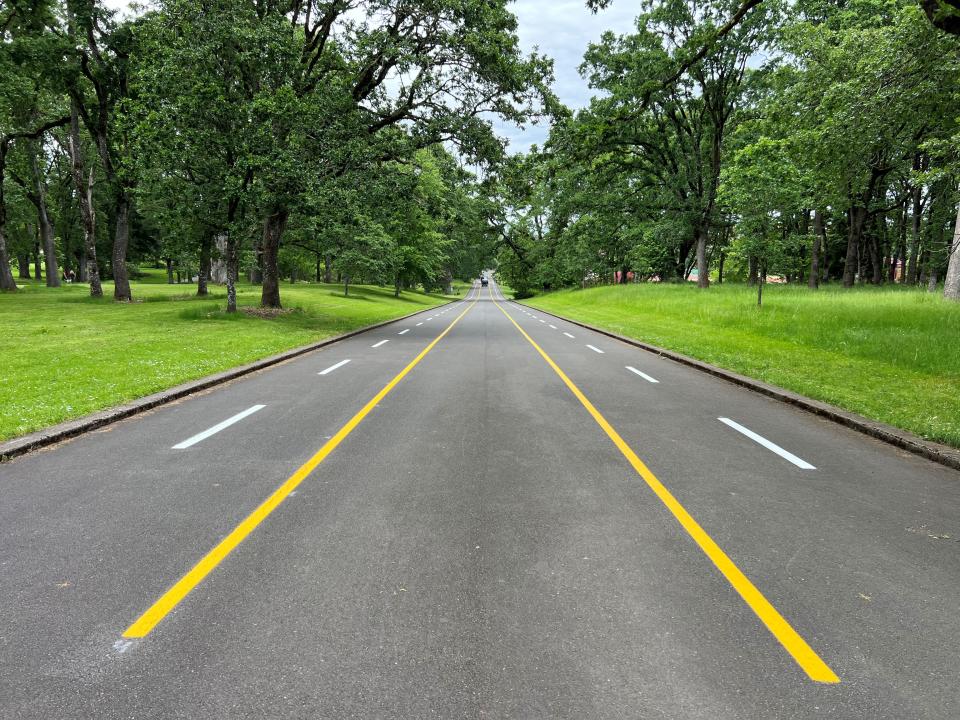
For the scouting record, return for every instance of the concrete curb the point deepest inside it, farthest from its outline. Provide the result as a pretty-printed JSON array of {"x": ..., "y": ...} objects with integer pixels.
[
  {"x": 72, "y": 428},
  {"x": 942, "y": 454}
]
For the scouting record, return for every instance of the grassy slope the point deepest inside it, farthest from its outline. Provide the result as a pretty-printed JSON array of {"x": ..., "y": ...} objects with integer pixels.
[
  {"x": 63, "y": 355},
  {"x": 887, "y": 353}
]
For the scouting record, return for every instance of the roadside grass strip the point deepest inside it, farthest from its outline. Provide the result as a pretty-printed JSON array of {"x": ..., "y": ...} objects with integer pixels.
[
  {"x": 217, "y": 428},
  {"x": 791, "y": 641},
  {"x": 142, "y": 626},
  {"x": 334, "y": 367},
  {"x": 642, "y": 374},
  {"x": 880, "y": 351},
  {"x": 771, "y": 446},
  {"x": 168, "y": 336}
]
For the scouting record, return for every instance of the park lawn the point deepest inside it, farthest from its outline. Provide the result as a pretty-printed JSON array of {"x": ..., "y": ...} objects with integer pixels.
[
  {"x": 63, "y": 355},
  {"x": 891, "y": 354}
]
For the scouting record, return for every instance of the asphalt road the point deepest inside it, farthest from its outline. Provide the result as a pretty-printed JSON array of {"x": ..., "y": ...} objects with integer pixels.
[{"x": 485, "y": 513}]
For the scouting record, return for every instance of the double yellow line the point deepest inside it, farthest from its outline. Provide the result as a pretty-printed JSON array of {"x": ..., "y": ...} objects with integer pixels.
[
  {"x": 789, "y": 638},
  {"x": 142, "y": 626}
]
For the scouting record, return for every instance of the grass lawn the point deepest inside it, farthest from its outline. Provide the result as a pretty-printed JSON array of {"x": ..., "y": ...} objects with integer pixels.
[
  {"x": 63, "y": 355},
  {"x": 890, "y": 354}
]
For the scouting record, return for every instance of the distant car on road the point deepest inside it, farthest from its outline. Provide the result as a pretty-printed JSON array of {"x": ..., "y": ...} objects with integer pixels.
[{"x": 483, "y": 282}]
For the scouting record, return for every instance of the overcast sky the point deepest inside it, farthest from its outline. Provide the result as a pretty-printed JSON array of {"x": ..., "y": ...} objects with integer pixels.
[{"x": 561, "y": 29}]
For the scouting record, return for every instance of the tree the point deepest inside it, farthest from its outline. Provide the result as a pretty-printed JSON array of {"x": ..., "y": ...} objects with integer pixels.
[
  {"x": 437, "y": 68},
  {"x": 28, "y": 107},
  {"x": 671, "y": 135}
]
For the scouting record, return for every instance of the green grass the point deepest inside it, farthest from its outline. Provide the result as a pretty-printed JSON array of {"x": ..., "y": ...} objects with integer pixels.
[
  {"x": 63, "y": 355},
  {"x": 887, "y": 353}
]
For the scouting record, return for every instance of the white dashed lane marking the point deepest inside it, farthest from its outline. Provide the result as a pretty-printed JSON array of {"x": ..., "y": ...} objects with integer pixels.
[
  {"x": 773, "y": 447},
  {"x": 217, "y": 428},
  {"x": 334, "y": 367},
  {"x": 642, "y": 374}
]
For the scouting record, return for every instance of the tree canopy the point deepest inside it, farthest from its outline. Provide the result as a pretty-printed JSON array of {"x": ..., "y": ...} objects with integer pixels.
[{"x": 352, "y": 140}]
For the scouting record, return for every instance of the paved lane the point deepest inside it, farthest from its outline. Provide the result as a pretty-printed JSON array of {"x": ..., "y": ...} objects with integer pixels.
[{"x": 476, "y": 546}]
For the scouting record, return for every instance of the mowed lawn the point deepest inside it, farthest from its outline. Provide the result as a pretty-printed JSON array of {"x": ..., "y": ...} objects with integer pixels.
[
  {"x": 63, "y": 355},
  {"x": 891, "y": 354}
]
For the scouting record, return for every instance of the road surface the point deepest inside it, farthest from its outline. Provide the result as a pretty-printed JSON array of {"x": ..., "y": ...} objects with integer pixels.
[{"x": 478, "y": 512}]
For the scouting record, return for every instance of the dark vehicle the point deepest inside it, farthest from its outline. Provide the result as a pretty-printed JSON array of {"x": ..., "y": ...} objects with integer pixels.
[{"x": 483, "y": 282}]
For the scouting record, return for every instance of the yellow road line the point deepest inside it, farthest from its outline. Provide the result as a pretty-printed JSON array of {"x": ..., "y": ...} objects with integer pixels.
[
  {"x": 142, "y": 626},
  {"x": 789, "y": 638}
]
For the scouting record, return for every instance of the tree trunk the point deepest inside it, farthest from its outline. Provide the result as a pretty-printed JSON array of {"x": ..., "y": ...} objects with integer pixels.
[
  {"x": 898, "y": 252},
  {"x": 819, "y": 234},
  {"x": 876, "y": 261},
  {"x": 932, "y": 280},
  {"x": 681, "y": 270},
  {"x": 318, "y": 274},
  {"x": 824, "y": 254},
  {"x": 84, "y": 190},
  {"x": 857, "y": 217},
  {"x": 218, "y": 268},
  {"x": 47, "y": 234},
  {"x": 951, "y": 285},
  {"x": 23, "y": 265},
  {"x": 752, "y": 272},
  {"x": 273, "y": 227},
  {"x": 6, "y": 276},
  {"x": 916, "y": 217},
  {"x": 703, "y": 269},
  {"x": 233, "y": 271},
  {"x": 37, "y": 270},
  {"x": 81, "y": 266},
  {"x": 204, "y": 273},
  {"x": 920, "y": 162},
  {"x": 761, "y": 283},
  {"x": 346, "y": 285},
  {"x": 169, "y": 271},
  {"x": 121, "y": 240},
  {"x": 327, "y": 268}
]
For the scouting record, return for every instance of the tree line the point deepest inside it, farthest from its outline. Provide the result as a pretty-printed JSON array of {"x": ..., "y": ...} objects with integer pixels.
[
  {"x": 814, "y": 140},
  {"x": 320, "y": 138}
]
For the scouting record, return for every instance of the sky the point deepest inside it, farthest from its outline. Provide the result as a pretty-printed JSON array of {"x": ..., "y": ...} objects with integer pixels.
[{"x": 562, "y": 30}]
